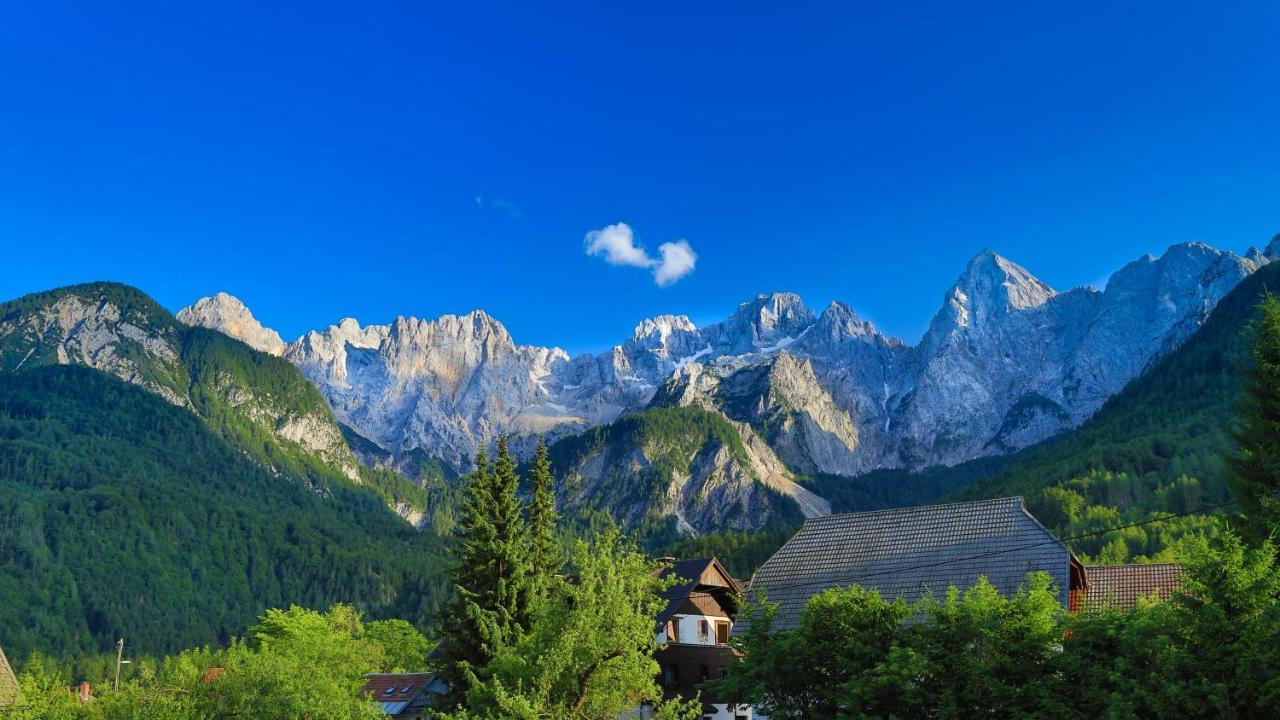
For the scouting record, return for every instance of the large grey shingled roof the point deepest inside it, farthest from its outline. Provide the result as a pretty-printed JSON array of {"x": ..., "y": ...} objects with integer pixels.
[{"x": 911, "y": 552}]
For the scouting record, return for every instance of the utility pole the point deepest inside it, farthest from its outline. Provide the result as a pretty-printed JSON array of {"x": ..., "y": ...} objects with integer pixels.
[{"x": 119, "y": 659}]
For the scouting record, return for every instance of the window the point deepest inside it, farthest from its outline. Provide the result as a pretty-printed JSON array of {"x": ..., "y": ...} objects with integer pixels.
[
  {"x": 704, "y": 673},
  {"x": 673, "y": 630},
  {"x": 670, "y": 675},
  {"x": 722, "y": 632},
  {"x": 704, "y": 630}
]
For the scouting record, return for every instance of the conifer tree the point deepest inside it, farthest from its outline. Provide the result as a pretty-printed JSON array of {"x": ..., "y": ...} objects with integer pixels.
[
  {"x": 1255, "y": 472},
  {"x": 492, "y": 595},
  {"x": 546, "y": 560},
  {"x": 513, "y": 564}
]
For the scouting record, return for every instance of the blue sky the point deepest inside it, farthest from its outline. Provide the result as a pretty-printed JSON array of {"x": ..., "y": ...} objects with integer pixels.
[{"x": 375, "y": 159}]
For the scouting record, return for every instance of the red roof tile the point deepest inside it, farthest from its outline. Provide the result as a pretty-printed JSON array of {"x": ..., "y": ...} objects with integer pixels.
[
  {"x": 401, "y": 685},
  {"x": 1120, "y": 586}
]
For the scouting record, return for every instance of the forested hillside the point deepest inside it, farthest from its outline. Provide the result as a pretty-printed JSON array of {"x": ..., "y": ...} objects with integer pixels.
[
  {"x": 259, "y": 403},
  {"x": 124, "y": 515}
]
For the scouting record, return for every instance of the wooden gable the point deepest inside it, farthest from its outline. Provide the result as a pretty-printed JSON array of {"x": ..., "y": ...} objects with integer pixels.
[{"x": 8, "y": 683}]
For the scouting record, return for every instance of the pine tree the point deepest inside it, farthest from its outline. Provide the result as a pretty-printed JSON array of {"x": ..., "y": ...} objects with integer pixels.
[
  {"x": 1255, "y": 472},
  {"x": 513, "y": 568},
  {"x": 492, "y": 591},
  {"x": 546, "y": 560}
]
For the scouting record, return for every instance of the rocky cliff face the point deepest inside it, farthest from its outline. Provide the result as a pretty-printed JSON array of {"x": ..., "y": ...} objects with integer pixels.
[
  {"x": 1006, "y": 362},
  {"x": 105, "y": 327}
]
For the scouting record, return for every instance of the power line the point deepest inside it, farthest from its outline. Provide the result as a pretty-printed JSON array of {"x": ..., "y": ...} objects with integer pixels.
[{"x": 1054, "y": 541}]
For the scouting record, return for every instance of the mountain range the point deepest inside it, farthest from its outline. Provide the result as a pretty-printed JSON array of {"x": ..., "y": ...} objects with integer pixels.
[{"x": 1005, "y": 363}]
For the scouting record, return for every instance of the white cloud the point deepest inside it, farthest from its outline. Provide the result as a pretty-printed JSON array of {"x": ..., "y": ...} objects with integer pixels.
[
  {"x": 678, "y": 259},
  {"x": 617, "y": 243}
]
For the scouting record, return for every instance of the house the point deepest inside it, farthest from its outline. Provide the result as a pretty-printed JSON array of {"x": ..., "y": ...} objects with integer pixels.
[
  {"x": 404, "y": 696},
  {"x": 695, "y": 625},
  {"x": 911, "y": 552},
  {"x": 1121, "y": 586},
  {"x": 8, "y": 683}
]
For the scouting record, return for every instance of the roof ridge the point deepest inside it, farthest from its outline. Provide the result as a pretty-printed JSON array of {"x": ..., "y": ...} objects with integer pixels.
[
  {"x": 907, "y": 508},
  {"x": 1139, "y": 565}
]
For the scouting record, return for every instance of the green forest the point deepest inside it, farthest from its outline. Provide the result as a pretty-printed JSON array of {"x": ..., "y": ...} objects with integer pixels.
[{"x": 122, "y": 514}]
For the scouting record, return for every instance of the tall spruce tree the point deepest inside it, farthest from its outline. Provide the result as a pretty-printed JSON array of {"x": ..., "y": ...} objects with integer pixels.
[
  {"x": 546, "y": 560},
  {"x": 492, "y": 603},
  {"x": 1255, "y": 471}
]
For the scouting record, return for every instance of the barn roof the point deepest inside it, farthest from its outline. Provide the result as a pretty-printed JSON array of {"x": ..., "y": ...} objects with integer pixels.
[
  {"x": 1120, "y": 586},
  {"x": 911, "y": 552}
]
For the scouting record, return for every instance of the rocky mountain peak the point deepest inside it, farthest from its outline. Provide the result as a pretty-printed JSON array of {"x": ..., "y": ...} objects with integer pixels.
[
  {"x": 1272, "y": 250},
  {"x": 990, "y": 287},
  {"x": 767, "y": 322},
  {"x": 225, "y": 313},
  {"x": 659, "y": 328},
  {"x": 840, "y": 323},
  {"x": 474, "y": 329},
  {"x": 991, "y": 276}
]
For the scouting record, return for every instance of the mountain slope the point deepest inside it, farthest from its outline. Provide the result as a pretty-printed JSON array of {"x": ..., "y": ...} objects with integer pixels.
[
  {"x": 122, "y": 514},
  {"x": 1157, "y": 447},
  {"x": 259, "y": 403},
  {"x": 669, "y": 471}
]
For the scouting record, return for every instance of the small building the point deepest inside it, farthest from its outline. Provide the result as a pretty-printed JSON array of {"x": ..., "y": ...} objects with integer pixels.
[
  {"x": 912, "y": 552},
  {"x": 1121, "y": 586},
  {"x": 8, "y": 683},
  {"x": 695, "y": 626},
  {"x": 404, "y": 696}
]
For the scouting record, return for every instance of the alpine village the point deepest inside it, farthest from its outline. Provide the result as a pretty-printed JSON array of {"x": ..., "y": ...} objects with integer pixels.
[{"x": 688, "y": 361}]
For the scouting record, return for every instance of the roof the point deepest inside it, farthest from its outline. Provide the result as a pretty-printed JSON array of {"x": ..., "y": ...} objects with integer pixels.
[
  {"x": 394, "y": 691},
  {"x": 696, "y": 578},
  {"x": 8, "y": 683},
  {"x": 911, "y": 552},
  {"x": 1120, "y": 586}
]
